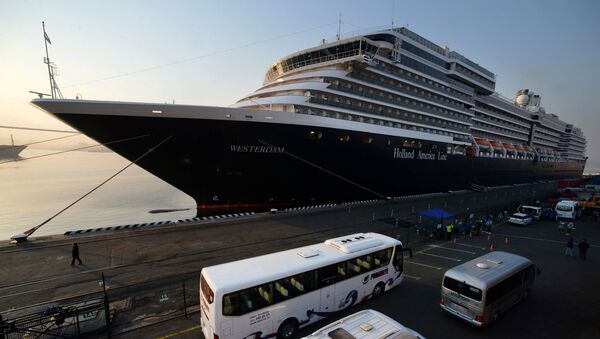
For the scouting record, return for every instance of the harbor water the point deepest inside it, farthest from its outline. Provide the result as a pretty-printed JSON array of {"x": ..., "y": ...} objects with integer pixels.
[{"x": 31, "y": 191}]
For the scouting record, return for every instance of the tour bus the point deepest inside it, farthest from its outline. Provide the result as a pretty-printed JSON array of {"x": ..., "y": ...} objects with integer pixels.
[
  {"x": 567, "y": 209},
  {"x": 481, "y": 290},
  {"x": 366, "y": 324},
  {"x": 276, "y": 294}
]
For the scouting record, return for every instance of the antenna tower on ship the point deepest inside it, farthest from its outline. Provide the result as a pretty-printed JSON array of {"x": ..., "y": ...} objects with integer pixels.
[{"x": 54, "y": 90}]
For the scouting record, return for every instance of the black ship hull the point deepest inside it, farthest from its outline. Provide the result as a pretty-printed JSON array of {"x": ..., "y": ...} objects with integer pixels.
[{"x": 232, "y": 165}]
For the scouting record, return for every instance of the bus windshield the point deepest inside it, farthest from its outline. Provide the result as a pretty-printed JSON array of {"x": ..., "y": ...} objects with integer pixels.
[
  {"x": 462, "y": 288},
  {"x": 564, "y": 208}
]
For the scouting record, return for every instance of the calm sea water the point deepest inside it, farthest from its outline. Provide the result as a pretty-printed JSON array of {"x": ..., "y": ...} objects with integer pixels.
[{"x": 33, "y": 190}]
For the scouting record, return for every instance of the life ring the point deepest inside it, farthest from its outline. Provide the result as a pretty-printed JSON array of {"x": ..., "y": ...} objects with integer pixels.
[{"x": 470, "y": 151}]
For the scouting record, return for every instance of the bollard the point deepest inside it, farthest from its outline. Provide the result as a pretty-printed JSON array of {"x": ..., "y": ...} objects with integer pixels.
[
  {"x": 506, "y": 240},
  {"x": 489, "y": 237}
]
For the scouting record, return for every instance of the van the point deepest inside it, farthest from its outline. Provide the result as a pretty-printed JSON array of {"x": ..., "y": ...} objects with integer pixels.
[
  {"x": 567, "y": 209},
  {"x": 367, "y": 324},
  {"x": 481, "y": 290},
  {"x": 534, "y": 211}
]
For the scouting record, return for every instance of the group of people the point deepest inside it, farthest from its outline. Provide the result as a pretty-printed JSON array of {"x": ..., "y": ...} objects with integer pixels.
[{"x": 583, "y": 247}]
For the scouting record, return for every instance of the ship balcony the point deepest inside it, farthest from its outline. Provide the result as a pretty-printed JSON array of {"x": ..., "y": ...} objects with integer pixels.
[
  {"x": 456, "y": 106},
  {"x": 401, "y": 104},
  {"x": 483, "y": 84},
  {"x": 466, "y": 92}
]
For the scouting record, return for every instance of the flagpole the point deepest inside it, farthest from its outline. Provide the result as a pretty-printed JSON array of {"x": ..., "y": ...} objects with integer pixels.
[{"x": 48, "y": 60}]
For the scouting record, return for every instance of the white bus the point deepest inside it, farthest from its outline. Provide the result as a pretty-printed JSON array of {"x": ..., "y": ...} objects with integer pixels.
[
  {"x": 481, "y": 290},
  {"x": 275, "y": 294},
  {"x": 366, "y": 324}
]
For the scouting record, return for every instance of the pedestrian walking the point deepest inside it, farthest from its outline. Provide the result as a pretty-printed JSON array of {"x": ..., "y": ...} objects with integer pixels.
[
  {"x": 569, "y": 249},
  {"x": 449, "y": 230},
  {"x": 583, "y": 247},
  {"x": 596, "y": 215},
  {"x": 75, "y": 254}
]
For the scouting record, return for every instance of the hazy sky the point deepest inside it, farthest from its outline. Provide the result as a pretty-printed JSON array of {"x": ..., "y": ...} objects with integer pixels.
[{"x": 551, "y": 47}]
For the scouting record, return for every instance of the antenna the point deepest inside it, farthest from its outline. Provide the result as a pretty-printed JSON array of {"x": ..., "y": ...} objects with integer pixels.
[
  {"x": 54, "y": 90},
  {"x": 393, "y": 10},
  {"x": 338, "y": 36}
]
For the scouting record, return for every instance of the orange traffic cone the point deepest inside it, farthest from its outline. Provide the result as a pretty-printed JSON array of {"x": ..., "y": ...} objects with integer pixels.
[
  {"x": 506, "y": 240},
  {"x": 489, "y": 237}
]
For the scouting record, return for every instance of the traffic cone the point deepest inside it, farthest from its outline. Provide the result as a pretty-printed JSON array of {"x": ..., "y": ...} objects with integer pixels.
[
  {"x": 489, "y": 237},
  {"x": 506, "y": 240},
  {"x": 454, "y": 241},
  {"x": 491, "y": 247}
]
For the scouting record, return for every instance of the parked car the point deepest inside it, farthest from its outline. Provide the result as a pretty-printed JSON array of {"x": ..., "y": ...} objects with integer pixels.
[
  {"x": 520, "y": 219},
  {"x": 534, "y": 211},
  {"x": 367, "y": 324}
]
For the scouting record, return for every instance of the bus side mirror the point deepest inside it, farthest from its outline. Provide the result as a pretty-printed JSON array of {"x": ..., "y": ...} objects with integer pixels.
[{"x": 538, "y": 271}]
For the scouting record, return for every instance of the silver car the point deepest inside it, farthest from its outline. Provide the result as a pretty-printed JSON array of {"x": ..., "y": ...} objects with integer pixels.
[{"x": 520, "y": 219}]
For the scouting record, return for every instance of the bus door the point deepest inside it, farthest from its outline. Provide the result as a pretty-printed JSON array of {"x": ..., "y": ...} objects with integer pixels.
[{"x": 326, "y": 278}]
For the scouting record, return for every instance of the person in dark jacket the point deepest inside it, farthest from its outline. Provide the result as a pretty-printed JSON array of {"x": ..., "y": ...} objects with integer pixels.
[
  {"x": 583, "y": 247},
  {"x": 569, "y": 249},
  {"x": 75, "y": 254}
]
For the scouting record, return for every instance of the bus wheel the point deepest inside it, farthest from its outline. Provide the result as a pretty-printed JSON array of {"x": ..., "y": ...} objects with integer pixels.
[
  {"x": 377, "y": 291},
  {"x": 288, "y": 329}
]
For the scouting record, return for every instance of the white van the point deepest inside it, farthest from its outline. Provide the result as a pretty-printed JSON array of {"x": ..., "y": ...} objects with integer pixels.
[
  {"x": 481, "y": 290},
  {"x": 534, "y": 211},
  {"x": 566, "y": 209},
  {"x": 367, "y": 324}
]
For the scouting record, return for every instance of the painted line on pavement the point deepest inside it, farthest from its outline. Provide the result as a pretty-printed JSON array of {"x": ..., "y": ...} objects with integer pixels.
[
  {"x": 472, "y": 246},
  {"x": 440, "y": 256},
  {"x": 450, "y": 249},
  {"x": 419, "y": 264},
  {"x": 410, "y": 276},
  {"x": 179, "y": 332},
  {"x": 538, "y": 239}
]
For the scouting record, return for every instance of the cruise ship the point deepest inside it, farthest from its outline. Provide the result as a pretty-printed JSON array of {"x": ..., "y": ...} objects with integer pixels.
[{"x": 372, "y": 116}]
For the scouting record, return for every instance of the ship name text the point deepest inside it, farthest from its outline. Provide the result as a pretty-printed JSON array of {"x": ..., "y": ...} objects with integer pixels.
[
  {"x": 401, "y": 153},
  {"x": 256, "y": 149}
]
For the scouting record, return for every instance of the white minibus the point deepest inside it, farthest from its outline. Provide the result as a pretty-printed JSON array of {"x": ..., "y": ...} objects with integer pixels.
[
  {"x": 481, "y": 290},
  {"x": 567, "y": 209},
  {"x": 276, "y": 294},
  {"x": 366, "y": 324}
]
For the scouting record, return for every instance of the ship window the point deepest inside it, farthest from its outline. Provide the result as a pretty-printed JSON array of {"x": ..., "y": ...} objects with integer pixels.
[
  {"x": 344, "y": 137},
  {"x": 315, "y": 135},
  {"x": 367, "y": 139}
]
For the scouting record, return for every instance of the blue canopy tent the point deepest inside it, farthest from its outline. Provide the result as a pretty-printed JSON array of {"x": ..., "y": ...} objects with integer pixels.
[{"x": 436, "y": 213}]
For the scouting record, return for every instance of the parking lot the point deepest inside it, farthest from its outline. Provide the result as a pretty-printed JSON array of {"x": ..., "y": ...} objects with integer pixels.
[{"x": 564, "y": 302}]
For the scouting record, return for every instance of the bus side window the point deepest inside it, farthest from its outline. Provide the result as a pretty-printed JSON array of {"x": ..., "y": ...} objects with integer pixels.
[
  {"x": 398, "y": 258},
  {"x": 327, "y": 275},
  {"x": 354, "y": 267},
  {"x": 342, "y": 271},
  {"x": 231, "y": 304},
  {"x": 382, "y": 258},
  {"x": 303, "y": 282}
]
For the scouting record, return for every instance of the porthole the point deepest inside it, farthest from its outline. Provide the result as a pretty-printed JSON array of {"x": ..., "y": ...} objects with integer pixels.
[
  {"x": 344, "y": 137},
  {"x": 315, "y": 135},
  {"x": 367, "y": 139}
]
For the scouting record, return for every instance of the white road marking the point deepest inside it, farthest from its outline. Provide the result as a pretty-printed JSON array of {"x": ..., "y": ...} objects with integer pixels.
[
  {"x": 467, "y": 245},
  {"x": 410, "y": 276},
  {"x": 450, "y": 249},
  {"x": 424, "y": 265},
  {"x": 440, "y": 256},
  {"x": 538, "y": 239}
]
